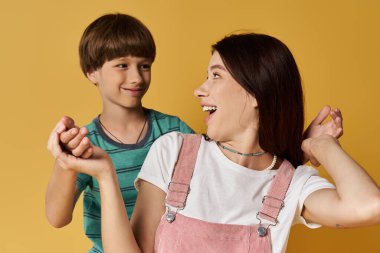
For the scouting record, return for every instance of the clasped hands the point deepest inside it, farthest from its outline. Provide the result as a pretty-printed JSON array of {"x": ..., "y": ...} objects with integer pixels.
[{"x": 73, "y": 150}]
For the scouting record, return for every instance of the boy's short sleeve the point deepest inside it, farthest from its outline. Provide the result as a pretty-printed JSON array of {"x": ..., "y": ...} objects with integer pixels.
[
  {"x": 82, "y": 181},
  {"x": 159, "y": 163},
  {"x": 184, "y": 128}
]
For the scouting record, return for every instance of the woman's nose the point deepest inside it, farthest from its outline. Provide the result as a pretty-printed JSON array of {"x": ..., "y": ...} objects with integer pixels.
[{"x": 201, "y": 91}]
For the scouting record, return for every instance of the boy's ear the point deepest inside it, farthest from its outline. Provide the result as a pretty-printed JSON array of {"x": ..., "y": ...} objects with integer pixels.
[{"x": 92, "y": 76}]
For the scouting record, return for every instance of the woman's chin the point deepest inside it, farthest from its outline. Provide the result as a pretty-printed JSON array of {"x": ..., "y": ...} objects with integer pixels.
[{"x": 212, "y": 134}]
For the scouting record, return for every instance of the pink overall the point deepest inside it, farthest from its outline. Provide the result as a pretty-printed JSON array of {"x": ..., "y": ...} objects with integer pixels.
[{"x": 177, "y": 233}]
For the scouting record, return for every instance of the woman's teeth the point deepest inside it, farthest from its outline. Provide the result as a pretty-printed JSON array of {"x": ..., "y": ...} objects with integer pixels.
[{"x": 209, "y": 108}]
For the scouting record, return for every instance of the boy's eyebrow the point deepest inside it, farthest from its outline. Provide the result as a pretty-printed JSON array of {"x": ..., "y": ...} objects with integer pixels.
[
  {"x": 124, "y": 58},
  {"x": 121, "y": 58},
  {"x": 218, "y": 66}
]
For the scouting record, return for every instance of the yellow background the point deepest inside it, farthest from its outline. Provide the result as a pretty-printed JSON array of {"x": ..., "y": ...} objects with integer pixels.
[{"x": 336, "y": 45}]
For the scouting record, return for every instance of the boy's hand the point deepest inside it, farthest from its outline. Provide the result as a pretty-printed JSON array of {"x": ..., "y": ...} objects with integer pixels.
[
  {"x": 98, "y": 165},
  {"x": 72, "y": 138},
  {"x": 334, "y": 127},
  {"x": 76, "y": 142}
]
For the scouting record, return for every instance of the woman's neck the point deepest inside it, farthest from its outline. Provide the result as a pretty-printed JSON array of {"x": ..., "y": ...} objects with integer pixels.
[{"x": 251, "y": 155}]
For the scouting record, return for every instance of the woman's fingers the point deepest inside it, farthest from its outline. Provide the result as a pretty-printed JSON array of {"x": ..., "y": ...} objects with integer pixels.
[
  {"x": 322, "y": 115},
  {"x": 95, "y": 166},
  {"x": 337, "y": 119}
]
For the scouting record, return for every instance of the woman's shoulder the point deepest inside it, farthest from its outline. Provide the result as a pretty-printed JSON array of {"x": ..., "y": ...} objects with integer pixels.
[
  {"x": 308, "y": 179},
  {"x": 172, "y": 138},
  {"x": 168, "y": 145},
  {"x": 305, "y": 170}
]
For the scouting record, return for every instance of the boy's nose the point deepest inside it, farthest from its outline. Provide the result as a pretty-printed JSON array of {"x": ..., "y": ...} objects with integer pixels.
[{"x": 134, "y": 76}]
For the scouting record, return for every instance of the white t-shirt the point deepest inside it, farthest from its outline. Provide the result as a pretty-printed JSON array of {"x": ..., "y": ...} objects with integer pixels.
[{"x": 228, "y": 193}]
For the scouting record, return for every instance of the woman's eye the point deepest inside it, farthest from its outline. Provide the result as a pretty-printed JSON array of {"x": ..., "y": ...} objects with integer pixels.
[
  {"x": 215, "y": 75},
  {"x": 122, "y": 65}
]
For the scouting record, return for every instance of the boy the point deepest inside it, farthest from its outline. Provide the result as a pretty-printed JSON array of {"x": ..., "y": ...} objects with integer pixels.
[{"x": 116, "y": 53}]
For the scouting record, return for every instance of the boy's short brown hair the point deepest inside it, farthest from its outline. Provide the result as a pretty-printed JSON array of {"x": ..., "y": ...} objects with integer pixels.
[{"x": 111, "y": 36}]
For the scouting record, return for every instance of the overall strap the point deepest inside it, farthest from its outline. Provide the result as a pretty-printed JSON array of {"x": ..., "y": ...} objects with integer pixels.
[
  {"x": 179, "y": 186},
  {"x": 273, "y": 202}
]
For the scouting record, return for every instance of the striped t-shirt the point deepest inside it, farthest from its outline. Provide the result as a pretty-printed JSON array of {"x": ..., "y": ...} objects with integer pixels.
[{"x": 127, "y": 159}]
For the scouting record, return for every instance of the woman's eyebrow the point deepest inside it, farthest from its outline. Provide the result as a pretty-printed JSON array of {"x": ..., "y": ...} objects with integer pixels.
[{"x": 217, "y": 66}]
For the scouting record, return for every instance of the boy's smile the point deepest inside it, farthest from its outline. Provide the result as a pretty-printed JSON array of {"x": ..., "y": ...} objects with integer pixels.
[
  {"x": 134, "y": 92},
  {"x": 123, "y": 81}
]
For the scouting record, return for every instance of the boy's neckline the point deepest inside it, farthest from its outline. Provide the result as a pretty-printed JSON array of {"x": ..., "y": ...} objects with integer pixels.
[
  {"x": 113, "y": 142},
  {"x": 114, "y": 136}
]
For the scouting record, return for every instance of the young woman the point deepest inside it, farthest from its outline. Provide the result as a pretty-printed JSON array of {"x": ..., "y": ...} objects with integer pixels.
[{"x": 237, "y": 190}]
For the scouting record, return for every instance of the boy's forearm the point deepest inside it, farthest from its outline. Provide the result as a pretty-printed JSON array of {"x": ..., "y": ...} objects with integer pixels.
[{"x": 60, "y": 196}]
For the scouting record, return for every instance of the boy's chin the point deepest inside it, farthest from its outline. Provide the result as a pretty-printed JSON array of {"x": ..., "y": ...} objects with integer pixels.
[{"x": 132, "y": 106}]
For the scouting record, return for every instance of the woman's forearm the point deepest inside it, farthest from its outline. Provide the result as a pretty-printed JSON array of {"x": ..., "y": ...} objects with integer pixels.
[
  {"x": 356, "y": 189},
  {"x": 117, "y": 235}
]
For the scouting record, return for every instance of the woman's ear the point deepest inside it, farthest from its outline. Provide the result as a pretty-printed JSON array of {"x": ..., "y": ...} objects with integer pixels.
[{"x": 253, "y": 102}]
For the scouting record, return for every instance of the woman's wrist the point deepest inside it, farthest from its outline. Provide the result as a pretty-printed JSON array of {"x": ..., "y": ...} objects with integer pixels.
[
  {"x": 323, "y": 145},
  {"x": 107, "y": 174}
]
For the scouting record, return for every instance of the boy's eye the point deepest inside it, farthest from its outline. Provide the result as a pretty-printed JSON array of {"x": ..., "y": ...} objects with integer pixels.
[
  {"x": 145, "y": 67},
  {"x": 122, "y": 65}
]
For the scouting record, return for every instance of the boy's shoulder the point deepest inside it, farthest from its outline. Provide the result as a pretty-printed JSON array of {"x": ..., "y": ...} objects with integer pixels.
[
  {"x": 168, "y": 122},
  {"x": 92, "y": 125},
  {"x": 162, "y": 116},
  {"x": 93, "y": 131}
]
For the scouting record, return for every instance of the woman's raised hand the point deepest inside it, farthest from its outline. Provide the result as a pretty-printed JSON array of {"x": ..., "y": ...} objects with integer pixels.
[
  {"x": 319, "y": 130},
  {"x": 334, "y": 127}
]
